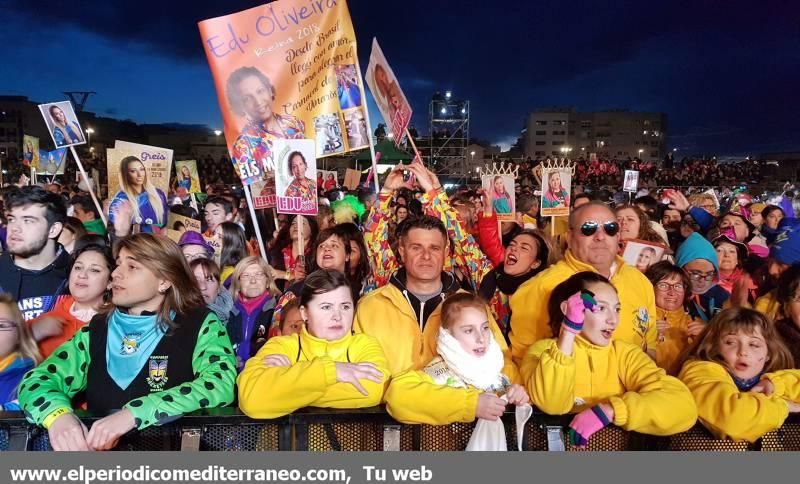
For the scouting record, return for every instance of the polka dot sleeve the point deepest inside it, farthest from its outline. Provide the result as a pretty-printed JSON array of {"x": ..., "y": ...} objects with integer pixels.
[
  {"x": 214, "y": 366},
  {"x": 47, "y": 390}
]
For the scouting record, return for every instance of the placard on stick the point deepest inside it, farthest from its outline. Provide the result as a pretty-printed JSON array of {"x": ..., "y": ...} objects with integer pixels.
[
  {"x": 295, "y": 176},
  {"x": 497, "y": 181}
]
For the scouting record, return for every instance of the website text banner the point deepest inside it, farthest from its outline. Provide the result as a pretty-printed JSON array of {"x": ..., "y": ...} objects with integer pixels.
[
  {"x": 392, "y": 467},
  {"x": 285, "y": 70}
]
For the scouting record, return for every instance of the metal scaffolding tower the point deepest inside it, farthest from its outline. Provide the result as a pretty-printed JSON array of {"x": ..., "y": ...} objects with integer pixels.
[{"x": 448, "y": 135}]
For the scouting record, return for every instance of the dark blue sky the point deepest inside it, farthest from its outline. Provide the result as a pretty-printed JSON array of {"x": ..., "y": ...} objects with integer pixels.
[{"x": 726, "y": 73}]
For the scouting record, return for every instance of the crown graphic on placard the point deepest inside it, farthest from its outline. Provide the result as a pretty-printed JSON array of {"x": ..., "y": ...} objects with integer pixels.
[
  {"x": 499, "y": 169},
  {"x": 561, "y": 165}
]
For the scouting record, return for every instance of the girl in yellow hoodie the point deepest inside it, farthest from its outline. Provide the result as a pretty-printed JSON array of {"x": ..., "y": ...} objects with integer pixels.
[
  {"x": 463, "y": 382},
  {"x": 325, "y": 365},
  {"x": 740, "y": 374},
  {"x": 605, "y": 382}
]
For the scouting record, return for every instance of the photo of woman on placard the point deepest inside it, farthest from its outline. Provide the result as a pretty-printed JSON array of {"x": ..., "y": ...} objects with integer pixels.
[
  {"x": 501, "y": 200},
  {"x": 251, "y": 94},
  {"x": 300, "y": 186},
  {"x": 185, "y": 178},
  {"x": 65, "y": 133},
  {"x": 556, "y": 195},
  {"x": 150, "y": 207},
  {"x": 30, "y": 155}
]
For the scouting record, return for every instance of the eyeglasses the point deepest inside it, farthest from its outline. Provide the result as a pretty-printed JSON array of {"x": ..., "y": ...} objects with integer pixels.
[
  {"x": 199, "y": 255},
  {"x": 701, "y": 276},
  {"x": 590, "y": 227},
  {"x": 665, "y": 286},
  {"x": 7, "y": 325},
  {"x": 253, "y": 277}
]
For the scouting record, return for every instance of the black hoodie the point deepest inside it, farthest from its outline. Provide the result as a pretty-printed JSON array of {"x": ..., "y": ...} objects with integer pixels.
[
  {"x": 423, "y": 310},
  {"x": 35, "y": 291}
]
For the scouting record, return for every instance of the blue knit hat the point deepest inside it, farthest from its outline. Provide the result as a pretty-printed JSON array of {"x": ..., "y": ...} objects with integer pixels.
[
  {"x": 786, "y": 248},
  {"x": 696, "y": 247}
]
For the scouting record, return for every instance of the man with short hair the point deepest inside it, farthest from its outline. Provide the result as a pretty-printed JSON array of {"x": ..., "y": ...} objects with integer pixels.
[
  {"x": 218, "y": 210},
  {"x": 34, "y": 269},
  {"x": 85, "y": 211},
  {"x": 593, "y": 240}
]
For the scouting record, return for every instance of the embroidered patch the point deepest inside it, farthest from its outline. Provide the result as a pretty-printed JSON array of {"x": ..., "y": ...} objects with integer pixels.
[
  {"x": 157, "y": 373},
  {"x": 130, "y": 344}
]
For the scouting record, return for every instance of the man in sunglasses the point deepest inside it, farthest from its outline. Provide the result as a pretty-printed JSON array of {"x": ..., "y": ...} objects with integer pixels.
[{"x": 593, "y": 239}]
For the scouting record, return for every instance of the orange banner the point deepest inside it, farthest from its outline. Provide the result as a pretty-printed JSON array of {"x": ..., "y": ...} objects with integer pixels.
[{"x": 286, "y": 70}]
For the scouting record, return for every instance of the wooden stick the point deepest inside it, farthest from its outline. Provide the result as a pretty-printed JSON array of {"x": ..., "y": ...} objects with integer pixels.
[
  {"x": 91, "y": 191},
  {"x": 369, "y": 129},
  {"x": 250, "y": 206},
  {"x": 552, "y": 227}
]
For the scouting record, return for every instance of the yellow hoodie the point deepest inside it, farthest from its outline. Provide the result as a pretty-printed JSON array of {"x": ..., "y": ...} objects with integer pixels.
[
  {"x": 530, "y": 321},
  {"x": 731, "y": 413},
  {"x": 768, "y": 304},
  {"x": 644, "y": 397},
  {"x": 386, "y": 315},
  {"x": 415, "y": 397},
  {"x": 676, "y": 339},
  {"x": 270, "y": 392}
]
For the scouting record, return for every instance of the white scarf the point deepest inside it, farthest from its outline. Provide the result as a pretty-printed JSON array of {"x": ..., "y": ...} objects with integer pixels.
[{"x": 483, "y": 373}]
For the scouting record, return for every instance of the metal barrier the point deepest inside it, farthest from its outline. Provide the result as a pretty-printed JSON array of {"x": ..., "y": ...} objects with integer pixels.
[{"x": 372, "y": 429}]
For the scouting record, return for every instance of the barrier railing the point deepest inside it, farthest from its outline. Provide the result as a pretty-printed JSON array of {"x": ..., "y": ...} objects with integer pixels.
[{"x": 372, "y": 429}]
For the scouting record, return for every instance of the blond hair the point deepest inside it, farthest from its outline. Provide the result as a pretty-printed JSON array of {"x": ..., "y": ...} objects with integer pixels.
[
  {"x": 152, "y": 192},
  {"x": 164, "y": 258},
  {"x": 453, "y": 305},
  {"x": 243, "y": 265},
  {"x": 26, "y": 345},
  {"x": 731, "y": 321}
]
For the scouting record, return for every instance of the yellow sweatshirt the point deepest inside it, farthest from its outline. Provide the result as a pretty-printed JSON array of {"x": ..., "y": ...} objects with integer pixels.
[
  {"x": 644, "y": 397},
  {"x": 676, "y": 339},
  {"x": 530, "y": 321},
  {"x": 270, "y": 392},
  {"x": 731, "y": 413},
  {"x": 768, "y": 304},
  {"x": 386, "y": 315},
  {"x": 418, "y": 397}
]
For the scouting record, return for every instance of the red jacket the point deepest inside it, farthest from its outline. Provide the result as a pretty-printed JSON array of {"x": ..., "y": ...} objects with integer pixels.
[{"x": 489, "y": 238}]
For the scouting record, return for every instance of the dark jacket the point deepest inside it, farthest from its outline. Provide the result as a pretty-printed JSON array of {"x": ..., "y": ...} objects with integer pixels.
[
  {"x": 423, "y": 310},
  {"x": 35, "y": 291}
]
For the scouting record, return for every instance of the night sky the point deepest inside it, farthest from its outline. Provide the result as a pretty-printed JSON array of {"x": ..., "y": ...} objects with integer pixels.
[{"x": 726, "y": 73}]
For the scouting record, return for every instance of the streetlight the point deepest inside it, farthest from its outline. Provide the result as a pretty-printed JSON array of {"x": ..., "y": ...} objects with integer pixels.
[
  {"x": 89, "y": 132},
  {"x": 472, "y": 154},
  {"x": 640, "y": 153},
  {"x": 447, "y": 94}
]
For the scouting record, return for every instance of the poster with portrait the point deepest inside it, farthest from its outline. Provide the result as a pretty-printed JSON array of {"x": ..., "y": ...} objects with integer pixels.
[
  {"x": 327, "y": 180},
  {"x": 296, "y": 176},
  {"x": 642, "y": 254},
  {"x": 182, "y": 223},
  {"x": 62, "y": 123},
  {"x": 385, "y": 88},
  {"x": 30, "y": 151},
  {"x": 283, "y": 70},
  {"x": 186, "y": 176},
  {"x": 631, "y": 183},
  {"x": 556, "y": 189},
  {"x": 264, "y": 192},
  {"x": 500, "y": 190},
  {"x": 52, "y": 162},
  {"x": 156, "y": 163}
]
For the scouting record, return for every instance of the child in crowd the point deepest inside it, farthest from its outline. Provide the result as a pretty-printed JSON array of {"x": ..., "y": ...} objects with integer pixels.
[
  {"x": 291, "y": 321},
  {"x": 324, "y": 365},
  {"x": 18, "y": 352},
  {"x": 740, "y": 374},
  {"x": 463, "y": 381},
  {"x": 605, "y": 382}
]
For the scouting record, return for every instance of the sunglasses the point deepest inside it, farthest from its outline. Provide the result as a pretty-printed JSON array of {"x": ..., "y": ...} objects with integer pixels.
[{"x": 590, "y": 227}]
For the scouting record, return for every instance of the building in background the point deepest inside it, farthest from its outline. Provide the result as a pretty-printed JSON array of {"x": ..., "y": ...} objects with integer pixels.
[{"x": 558, "y": 132}]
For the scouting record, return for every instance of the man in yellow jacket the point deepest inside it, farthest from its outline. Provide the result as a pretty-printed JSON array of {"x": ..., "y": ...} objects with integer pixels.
[
  {"x": 593, "y": 240},
  {"x": 404, "y": 315}
]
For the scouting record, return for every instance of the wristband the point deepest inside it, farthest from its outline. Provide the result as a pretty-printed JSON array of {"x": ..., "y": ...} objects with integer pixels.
[
  {"x": 572, "y": 326},
  {"x": 48, "y": 421}
]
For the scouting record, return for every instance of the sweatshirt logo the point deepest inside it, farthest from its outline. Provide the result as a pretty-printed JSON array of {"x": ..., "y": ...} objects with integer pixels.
[
  {"x": 157, "y": 373},
  {"x": 642, "y": 322},
  {"x": 130, "y": 344}
]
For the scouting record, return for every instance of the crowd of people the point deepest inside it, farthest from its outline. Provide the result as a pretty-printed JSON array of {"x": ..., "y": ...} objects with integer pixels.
[{"x": 412, "y": 297}]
